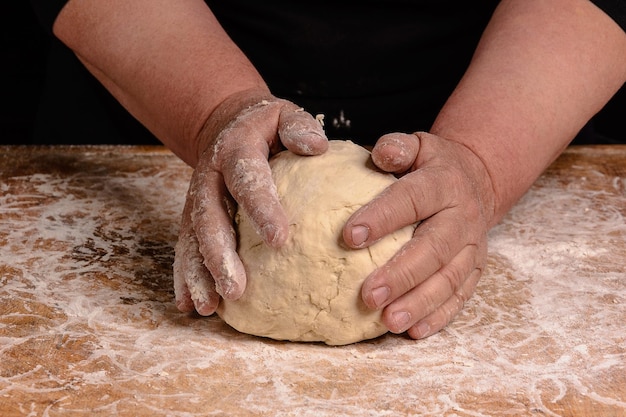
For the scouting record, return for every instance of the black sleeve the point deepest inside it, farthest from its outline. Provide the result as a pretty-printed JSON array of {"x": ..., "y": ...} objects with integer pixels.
[
  {"x": 47, "y": 11},
  {"x": 614, "y": 8}
]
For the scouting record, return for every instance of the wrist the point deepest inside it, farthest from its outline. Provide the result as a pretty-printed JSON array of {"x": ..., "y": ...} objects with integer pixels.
[{"x": 224, "y": 113}]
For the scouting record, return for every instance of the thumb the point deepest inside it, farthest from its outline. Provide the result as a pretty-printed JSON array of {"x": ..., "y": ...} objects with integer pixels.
[{"x": 396, "y": 152}]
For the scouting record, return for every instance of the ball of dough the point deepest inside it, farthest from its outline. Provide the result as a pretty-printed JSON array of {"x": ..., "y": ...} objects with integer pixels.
[{"x": 310, "y": 289}]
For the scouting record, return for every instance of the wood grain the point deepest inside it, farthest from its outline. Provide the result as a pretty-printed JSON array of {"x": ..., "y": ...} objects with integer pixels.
[{"x": 88, "y": 325}]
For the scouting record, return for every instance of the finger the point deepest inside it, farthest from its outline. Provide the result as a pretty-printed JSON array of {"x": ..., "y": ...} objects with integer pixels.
[
  {"x": 212, "y": 222},
  {"x": 435, "y": 243},
  {"x": 193, "y": 285},
  {"x": 300, "y": 132},
  {"x": 396, "y": 152},
  {"x": 412, "y": 198},
  {"x": 241, "y": 155},
  {"x": 249, "y": 179},
  {"x": 442, "y": 316},
  {"x": 182, "y": 294},
  {"x": 430, "y": 295},
  {"x": 198, "y": 291}
]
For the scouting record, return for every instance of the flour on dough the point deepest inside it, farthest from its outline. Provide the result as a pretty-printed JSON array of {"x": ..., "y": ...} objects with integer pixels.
[{"x": 310, "y": 289}]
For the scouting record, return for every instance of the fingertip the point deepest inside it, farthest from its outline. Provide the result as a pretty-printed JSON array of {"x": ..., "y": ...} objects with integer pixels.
[
  {"x": 355, "y": 236},
  {"x": 208, "y": 307},
  {"x": 229, "y": 288},
  {"x": 275, "y": 234},
  {"x": 398, "y": 321},
  {"x": 309, "y": 143},
  {"x": 363, "y": 228},
  {"x": 319, "y": 143},
  {"x": 301, "y": 133},
  {"x": 230, "y": 279},
  {"x": 421, "y": 330},
  {"x": 380, "y": 296},
  {"x": 185, "y": 305},
  {"x": 395, "y": 152}
]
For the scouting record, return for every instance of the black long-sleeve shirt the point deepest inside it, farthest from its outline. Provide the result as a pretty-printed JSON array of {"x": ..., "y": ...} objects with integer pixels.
[{"x": 359, "y": 65}]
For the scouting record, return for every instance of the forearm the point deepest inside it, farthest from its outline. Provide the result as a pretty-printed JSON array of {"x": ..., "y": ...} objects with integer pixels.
[
  {"x": 540, "y": 72},
  {"x": 169, "y": 63}
]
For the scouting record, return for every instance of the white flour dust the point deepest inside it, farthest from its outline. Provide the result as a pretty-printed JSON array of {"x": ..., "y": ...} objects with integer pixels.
[{"x": 88, "y": 322}]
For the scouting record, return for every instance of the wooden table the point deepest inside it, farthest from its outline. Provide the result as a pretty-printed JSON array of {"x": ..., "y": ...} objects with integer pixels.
[{"x": 88, "y": 325}]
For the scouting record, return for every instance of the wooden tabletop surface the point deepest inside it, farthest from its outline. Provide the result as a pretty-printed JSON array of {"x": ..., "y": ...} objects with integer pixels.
[{"x": 88, "y": 325}]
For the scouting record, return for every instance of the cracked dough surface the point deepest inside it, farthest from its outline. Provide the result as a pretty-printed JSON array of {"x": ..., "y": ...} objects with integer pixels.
[{"x": 310, "y": 289}]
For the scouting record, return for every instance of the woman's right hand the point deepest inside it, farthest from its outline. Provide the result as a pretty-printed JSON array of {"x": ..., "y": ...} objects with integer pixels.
[{"x": 238, "y": 138}]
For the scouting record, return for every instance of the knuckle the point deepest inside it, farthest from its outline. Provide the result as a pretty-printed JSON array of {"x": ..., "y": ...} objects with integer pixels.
[
  {"x": 445, "y": 313},
  {"x": 448, "y": 312},
  {"x": 453, "y": 277},
  {"x": 406, "y": 279},
  {"x": 398, "y": 205},
  {"x": 458, "y": 302},
  {"x": 445, "y": 296},
  {"x": 429, "y": 302},
  {"x": 439, "y": 247}
]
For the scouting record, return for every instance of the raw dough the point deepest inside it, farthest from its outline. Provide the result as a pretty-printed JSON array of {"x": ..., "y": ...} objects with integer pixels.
[{"x": 310, "y": 289}]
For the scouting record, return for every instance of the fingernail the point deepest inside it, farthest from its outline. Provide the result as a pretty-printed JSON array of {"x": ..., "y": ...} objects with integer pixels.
[
  {"x": 423, "y": 330},
  {"x": 359, "y": 235},
  {"x": 205, "y": 308},
  {"x": 228, "y": 283},
  {"x": 185, "y": 306},
  {"x": 226, "y": 287},
  {"x": 401, "y": 319},
  {"x": 380, "y": 295},
  {"x": 273, "y": 235}
]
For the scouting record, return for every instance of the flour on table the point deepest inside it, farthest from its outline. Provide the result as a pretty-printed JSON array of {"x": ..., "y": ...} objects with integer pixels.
[{"x": 310, "y": 289}]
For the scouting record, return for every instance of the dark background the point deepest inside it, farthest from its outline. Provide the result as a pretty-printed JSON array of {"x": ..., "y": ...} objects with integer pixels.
[
  {"x": 22, "y": 64},
  {"x": 22, "y": 67}
]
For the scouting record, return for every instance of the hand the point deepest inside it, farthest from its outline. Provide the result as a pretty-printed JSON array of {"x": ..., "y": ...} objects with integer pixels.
[
  {"x": 446, "y": 188},
  {"x": 233, "y": 169}
]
